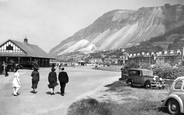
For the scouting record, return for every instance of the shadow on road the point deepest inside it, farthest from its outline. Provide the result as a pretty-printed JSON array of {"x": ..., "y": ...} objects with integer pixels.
[
  {"x": 49, "y": 93},
  {"x": 164, "y": 110}
]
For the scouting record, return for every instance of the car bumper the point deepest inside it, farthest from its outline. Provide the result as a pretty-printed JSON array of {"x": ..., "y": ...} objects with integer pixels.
[{"x": 157, "y": 84}]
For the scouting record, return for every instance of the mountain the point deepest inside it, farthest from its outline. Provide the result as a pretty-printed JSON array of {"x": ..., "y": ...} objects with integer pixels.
[
  {"x": 123, "y": 29},
  {"x": 171, "y": 40}
]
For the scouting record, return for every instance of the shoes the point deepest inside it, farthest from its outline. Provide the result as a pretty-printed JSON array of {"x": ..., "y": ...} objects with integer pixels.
[
  {"x": 34, "y": 92},
  {"x": 15, "y": 94},
  {"x": 62, "y": 94},
  {"x": 52, "y": 93}
]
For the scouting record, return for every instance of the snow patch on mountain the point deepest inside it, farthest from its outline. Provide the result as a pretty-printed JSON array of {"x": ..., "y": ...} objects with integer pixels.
[
  {"x": 75, "y": 46},
  {"x": 90, "y": 48},
  {"x": 101, "y": 36}
]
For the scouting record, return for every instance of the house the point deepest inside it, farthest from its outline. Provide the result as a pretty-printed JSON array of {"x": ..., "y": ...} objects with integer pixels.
[{"x": 13, "y": 51}]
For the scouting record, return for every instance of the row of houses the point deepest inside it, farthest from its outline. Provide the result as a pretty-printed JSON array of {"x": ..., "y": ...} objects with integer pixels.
[
  {"x": 167, "y": 56},
  {"x": 16, "y": 52}
]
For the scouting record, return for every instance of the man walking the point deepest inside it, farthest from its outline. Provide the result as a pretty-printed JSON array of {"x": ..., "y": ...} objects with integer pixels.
[{"x": 63, "y": 79}]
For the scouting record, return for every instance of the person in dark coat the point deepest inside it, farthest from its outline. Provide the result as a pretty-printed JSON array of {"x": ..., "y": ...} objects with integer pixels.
[
  {"x": 63, "y": 79},
  {"x": 52, "y": 78},
  {"x": 6, "y": 70},
  {"x": 35, "y": 79}
]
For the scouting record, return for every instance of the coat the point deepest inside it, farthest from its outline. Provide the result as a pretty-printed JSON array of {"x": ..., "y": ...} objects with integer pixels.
[
  {"x": 63, "y": 77},
  {"x": 52, "y": 78},
  {"x": 35, "y": 76}
]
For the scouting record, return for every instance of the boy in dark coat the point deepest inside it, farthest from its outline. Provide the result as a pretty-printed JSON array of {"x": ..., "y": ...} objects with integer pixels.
[
  {"x": 35, "y": 79},
  {"x": 63, "y": 79},
  {"x": 52, "y": 78}
]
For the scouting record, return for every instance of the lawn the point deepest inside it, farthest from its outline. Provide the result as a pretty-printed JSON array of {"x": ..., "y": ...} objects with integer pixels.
[
  {"x": 120, "y": 99},
  {"x": 109, "y": 68}
]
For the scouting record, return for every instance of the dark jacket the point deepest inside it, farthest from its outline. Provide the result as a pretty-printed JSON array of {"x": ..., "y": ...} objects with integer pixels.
[
  {"x": 52, "y": 77},
  {"x": 63, "y": 77},
  {"x": 35, "y": 76}
]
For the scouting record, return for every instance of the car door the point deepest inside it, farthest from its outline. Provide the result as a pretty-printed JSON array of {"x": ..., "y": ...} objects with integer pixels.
[
  {"x": 132, "y": 75},
  {"x": 135, "y": 76},
  {"x": 139, "y": 78},
  {"x": 178, "y": 89}
]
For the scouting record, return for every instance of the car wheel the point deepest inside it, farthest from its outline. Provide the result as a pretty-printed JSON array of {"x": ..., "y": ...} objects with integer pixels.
[
  {"x": 129, "y": 82},
  {"x": 173, "y": 107},
  {"x": 147, "y": 85}
]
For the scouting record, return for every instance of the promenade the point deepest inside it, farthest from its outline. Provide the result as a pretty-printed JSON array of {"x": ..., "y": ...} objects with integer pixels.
[{"x": 84, "y": 81}]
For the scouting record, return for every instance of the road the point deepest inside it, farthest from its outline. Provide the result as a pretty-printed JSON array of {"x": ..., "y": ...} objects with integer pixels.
[{"x": 83, "y": 82}]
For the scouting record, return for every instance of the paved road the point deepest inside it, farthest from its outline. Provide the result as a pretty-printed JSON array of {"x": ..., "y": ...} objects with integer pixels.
[{"x": 83, "y": 81}]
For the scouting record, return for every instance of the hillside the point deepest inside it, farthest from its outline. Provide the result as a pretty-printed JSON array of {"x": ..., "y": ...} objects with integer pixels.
[
  {"x": 171, "y": 40},
  {"x": 126, "y": 28}
]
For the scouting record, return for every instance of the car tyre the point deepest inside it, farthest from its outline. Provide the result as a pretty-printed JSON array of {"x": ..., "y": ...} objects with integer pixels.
[
  {"x": 147, "y": 85},
  {"x": 173, "y": 107},
  {"x": 129, "y": 82}
]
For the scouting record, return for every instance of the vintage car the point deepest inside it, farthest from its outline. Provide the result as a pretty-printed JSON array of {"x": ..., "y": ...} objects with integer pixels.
[
  {"x": 143, "y": 78},
  {"x": 175, "y": 100},
  {"x": 28, "y": 65}
]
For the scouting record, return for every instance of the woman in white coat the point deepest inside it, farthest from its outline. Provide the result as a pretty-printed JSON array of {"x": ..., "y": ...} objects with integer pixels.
[{"x": 16, "y": 82}]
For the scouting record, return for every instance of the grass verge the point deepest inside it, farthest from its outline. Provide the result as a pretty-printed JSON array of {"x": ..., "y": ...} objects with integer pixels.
[{"x": 93, "y": 107}]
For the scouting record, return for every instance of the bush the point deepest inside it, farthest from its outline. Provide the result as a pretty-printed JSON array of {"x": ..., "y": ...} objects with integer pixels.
[
  {"x": 132, "y": 64},
  {"x": 145, "y": 66},
  {"x": 164, "y": 70},
  {"x": 167, "y": 71},
  {"x": 129, "y": 65}
]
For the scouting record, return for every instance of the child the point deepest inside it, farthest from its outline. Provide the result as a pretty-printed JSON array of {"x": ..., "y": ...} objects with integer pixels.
[{"x": 16, "y": 82}]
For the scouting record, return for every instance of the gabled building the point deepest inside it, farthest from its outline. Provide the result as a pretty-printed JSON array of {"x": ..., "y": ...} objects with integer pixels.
[{"x": 20, "y": 52}]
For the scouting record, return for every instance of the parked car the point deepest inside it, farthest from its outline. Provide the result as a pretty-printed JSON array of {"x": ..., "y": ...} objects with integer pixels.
[
  {"x": 143, "y": 78},
  {"x": 10, "y": 66},
  {"x": 175, "y": 100},
  {"x": 28, "y": 65}
]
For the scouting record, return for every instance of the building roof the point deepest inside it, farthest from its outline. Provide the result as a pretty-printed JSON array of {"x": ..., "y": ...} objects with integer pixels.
[{"x": 28, "y": 50}]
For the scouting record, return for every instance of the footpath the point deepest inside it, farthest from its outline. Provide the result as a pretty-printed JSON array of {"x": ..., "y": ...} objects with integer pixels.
[{"x": 5, "y": 79}]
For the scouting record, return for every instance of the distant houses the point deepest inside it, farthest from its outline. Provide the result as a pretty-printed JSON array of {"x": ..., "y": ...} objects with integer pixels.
[{"x": 168, "y": 56}]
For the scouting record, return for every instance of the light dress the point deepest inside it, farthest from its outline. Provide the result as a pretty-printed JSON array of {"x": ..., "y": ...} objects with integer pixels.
[{"x": 16, "y": 80}]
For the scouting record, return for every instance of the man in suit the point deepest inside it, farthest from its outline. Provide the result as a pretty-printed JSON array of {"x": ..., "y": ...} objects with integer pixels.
[{"x": 63, "y": 79}]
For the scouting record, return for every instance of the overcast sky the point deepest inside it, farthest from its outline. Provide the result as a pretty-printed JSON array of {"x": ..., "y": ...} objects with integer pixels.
[{"x": 47, "y": 22}]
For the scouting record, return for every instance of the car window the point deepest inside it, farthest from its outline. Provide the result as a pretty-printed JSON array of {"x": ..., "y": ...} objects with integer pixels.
[
  {"x": 134, "y": 73},
  {"x": 178, "y": 85}
]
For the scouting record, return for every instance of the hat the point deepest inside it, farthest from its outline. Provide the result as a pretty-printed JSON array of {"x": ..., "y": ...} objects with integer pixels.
[{"x": 53, "y": 69}]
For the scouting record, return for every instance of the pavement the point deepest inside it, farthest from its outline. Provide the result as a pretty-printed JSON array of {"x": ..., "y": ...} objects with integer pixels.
[{"x": 84, "y": 81}]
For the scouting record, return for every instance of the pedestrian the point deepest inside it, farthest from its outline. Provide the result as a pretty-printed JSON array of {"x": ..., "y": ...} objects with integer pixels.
[
  {"x": 52, "y": 78},
  {"x": 4, "y": 66},
  {"x": 6, "y": 70},
  {"x": 35, "y": 79},
  {"x": 63, "y": 79},
  {"x": 16, "y": 84}
]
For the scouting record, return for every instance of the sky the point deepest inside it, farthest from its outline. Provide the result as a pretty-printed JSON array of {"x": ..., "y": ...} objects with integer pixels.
[{"x": 47, "y": 22}]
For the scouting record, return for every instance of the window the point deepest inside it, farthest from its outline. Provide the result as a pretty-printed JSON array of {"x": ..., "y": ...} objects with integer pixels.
[
  {"x": 134, "y": 73},
  {"x": 9, "y": 47},
  {"x": 178, "y": 85}
]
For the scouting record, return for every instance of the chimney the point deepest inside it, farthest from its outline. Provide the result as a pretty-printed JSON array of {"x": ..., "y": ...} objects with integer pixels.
[{"x": 26, "y": 40}]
